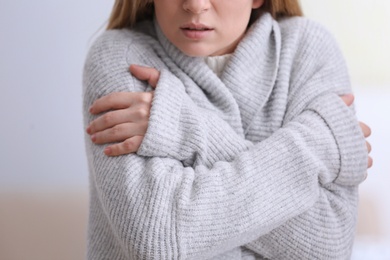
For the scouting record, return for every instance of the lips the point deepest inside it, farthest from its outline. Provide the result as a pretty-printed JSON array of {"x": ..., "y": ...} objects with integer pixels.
[
  {"x": 196, "y": 31},
  {"x": 196, "y": 27}
]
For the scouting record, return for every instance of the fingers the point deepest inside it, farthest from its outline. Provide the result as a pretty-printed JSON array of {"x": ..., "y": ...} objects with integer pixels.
[
  {"x": 128, "y": 122},
  {"x": 370, "y": 162},
  {"x": 130, "y": 145},
  {"x": 120, "y": 100},
  {"x": 138, "y": 111},
  {"x": 110, "y": 119},
  {"x": 367, "y": 132},
  {"x": 151, "y": 75},
  {"x": 368, "y": 147},
  {"x": 365, "y": 129},
  {"x": 116, "y": 100},
  {"x": 348, "y": 99},
  {"x": 119, "y": 133}
]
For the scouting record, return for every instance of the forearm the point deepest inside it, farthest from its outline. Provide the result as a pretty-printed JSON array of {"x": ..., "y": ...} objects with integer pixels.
[
  {"x": 181, "y": 130},
  {"x": 157, "y": 203},
  {"x": 341, "y": 130},
  {"x": 154, "y": 206},
  {"x": 325, "y": 231},
  {"x": 158, "y": 198}
]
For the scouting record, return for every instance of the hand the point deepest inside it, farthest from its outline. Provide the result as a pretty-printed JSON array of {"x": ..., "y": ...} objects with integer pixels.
[
  {"x": 348, "y": 100},
  {"x": 126, "y": 118}
]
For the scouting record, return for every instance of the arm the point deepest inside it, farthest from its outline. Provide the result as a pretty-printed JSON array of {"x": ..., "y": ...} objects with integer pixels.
[
  {"x": 200, "y": 209},
  {"x": 314, "y": 216},
  {"x": 126, "y": 116},
  {"x": 327, "y": 230},
  {"x": 200, "y": 137}
]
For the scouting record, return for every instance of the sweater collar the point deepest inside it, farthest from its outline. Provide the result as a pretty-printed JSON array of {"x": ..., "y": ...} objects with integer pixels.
[
  {"x": 251, "y": 72},
  {"x": 248, "y": 77}
]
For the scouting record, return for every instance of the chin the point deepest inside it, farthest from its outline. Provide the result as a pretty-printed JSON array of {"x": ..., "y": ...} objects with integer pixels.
[{"x": 196, "y": 51}]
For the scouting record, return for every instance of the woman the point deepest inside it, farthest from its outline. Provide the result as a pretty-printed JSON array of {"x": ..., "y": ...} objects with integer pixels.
[{"x": 259, "y": 159}]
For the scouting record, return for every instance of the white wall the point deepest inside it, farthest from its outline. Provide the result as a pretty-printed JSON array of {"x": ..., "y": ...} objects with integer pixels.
[
  {"x": 42, "y": 49},
  {"x": 363, "y": 30}
]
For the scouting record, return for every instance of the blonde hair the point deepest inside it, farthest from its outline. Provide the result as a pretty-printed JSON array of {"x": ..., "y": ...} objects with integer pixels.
[{"x": 126, "y": 13}]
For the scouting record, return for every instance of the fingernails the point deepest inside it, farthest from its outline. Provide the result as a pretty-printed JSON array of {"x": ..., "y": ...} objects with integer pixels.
[
  {"x": 88, "y": 130},
  {"x": 108, "y": 151},
  {"x": 93, "y": 138}
]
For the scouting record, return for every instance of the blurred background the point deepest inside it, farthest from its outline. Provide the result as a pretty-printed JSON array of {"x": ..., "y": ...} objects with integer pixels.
[{"x": 43, "y": 168}]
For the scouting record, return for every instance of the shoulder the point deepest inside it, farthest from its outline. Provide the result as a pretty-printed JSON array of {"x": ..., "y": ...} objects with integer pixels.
[
  {"x": 311, "y": 56},
  {"x": 307, "y": 37},
  {"x": 117, "y": 45},
  {"x": 303, "y": 27},
  {"x": 106, "y": 68},
  {"x": 111, "y": 39},
  {"x": 108, "y": 46}
]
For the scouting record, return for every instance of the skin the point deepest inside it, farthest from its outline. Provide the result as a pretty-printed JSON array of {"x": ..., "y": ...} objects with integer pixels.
[
  {"x": 178, "y": 20},
  {"x": 197, "y": 28},
  {"x": 183, "y": 22},
  {"x": 127, "y": 121}
]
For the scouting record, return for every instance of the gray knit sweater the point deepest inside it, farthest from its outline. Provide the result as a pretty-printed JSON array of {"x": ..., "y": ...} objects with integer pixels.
[{"x": 261, "y": 162}]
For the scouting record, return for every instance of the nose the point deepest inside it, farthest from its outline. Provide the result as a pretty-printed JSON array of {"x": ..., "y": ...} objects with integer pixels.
[{"x": 196, "y": 6}]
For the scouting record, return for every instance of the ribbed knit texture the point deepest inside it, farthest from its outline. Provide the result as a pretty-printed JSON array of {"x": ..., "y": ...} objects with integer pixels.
[
  {"x": 261, "y": 162},
  {"x": 217, "y": 63}
]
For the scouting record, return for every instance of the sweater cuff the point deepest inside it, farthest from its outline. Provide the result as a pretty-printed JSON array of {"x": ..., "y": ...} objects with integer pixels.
[
  {"x": 349, "y": 138},
  {"x": 159, "y": 139}
]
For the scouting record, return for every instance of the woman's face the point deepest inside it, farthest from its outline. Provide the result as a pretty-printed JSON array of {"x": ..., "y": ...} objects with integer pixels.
[{"x": 204, "y": 27}]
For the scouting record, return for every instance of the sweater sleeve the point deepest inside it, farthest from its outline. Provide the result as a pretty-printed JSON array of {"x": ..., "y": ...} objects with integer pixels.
[
  {"x": 327, "y": 229},
  {"x": 179, "y": 129},
  {"x": 157, "y": 208}
]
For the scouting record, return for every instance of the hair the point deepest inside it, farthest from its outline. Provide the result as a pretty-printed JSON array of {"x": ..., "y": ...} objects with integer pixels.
[{"x": 126, "y": 13}]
